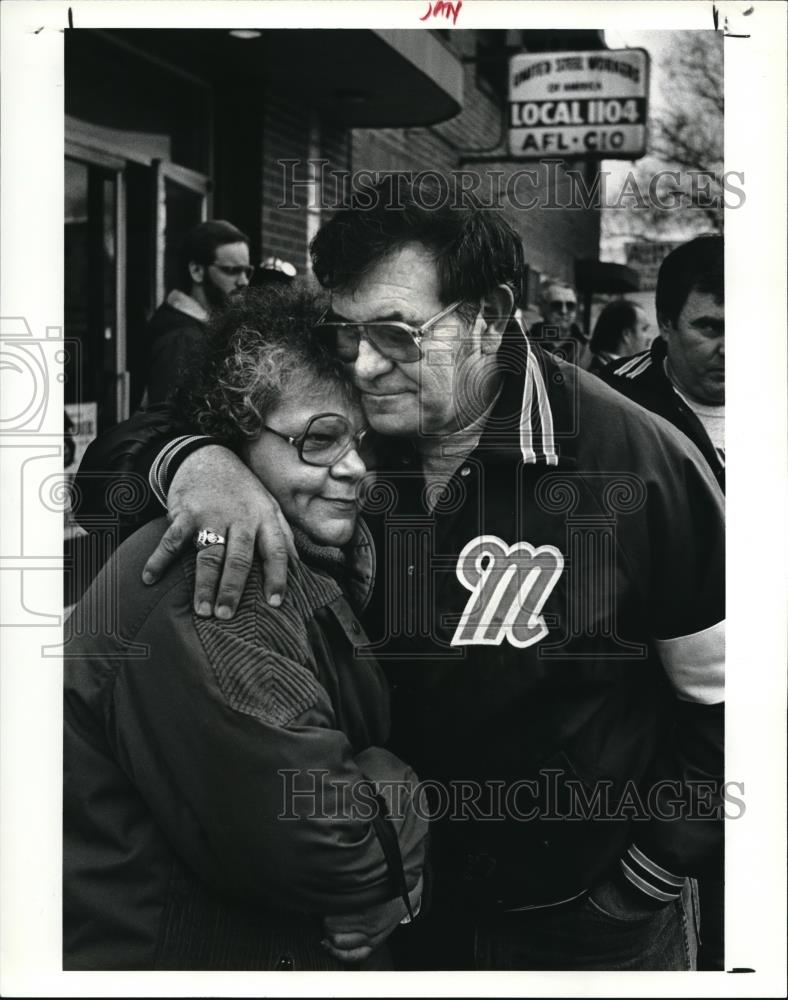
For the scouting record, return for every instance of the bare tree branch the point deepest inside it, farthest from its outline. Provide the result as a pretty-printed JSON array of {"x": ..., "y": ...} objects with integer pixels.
[{"x": 686, "y": 136}]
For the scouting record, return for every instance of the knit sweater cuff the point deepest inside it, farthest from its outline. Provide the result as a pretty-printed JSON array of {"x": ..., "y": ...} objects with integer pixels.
[{"x": 653, "y": 881}]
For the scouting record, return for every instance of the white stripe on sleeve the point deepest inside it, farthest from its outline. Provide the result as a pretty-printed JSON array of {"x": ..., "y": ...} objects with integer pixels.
[
  {"x": 695, "y": 664},
  {"x": 651, "y": 866},
  {"x": 647, "y": 887}
]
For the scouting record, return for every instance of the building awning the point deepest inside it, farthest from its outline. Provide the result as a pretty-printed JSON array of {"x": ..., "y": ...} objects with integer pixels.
[
  {"x": 563, "y": 40},
  {"x": 358, "y": 77},
  {"x": 377, "y": 78},
  {"x": 605, "y": 277}
]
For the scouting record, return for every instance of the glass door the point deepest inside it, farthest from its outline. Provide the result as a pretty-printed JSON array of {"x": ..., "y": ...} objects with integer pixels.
[
  {"x": 124, "y": 225},
  {"x": 182, "y": 202},
  {"x": 95, "y": 365}
]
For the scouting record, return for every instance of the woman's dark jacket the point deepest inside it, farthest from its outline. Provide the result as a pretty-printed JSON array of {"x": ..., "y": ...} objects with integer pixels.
[{"x": 218, "y": 796}]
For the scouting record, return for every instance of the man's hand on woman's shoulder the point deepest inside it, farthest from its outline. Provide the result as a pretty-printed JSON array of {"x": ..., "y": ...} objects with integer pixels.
[{"x": 213, "y": 489}]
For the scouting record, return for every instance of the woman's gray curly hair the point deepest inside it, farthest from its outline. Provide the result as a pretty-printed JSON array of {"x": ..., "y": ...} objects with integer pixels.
[{"x": 259, "y": 351}]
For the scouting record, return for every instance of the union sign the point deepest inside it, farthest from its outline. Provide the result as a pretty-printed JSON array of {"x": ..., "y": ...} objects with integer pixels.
[{"x": 578, "y": 104}]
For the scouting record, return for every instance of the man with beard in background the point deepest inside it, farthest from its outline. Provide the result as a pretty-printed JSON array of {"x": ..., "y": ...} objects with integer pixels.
[{"x": 213, "y": 269}]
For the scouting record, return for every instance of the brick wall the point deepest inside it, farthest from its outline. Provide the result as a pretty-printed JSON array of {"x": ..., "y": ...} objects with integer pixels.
[{"x": 292, "y": 131}]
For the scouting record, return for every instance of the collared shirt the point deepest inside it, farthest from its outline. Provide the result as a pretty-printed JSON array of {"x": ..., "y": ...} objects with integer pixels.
[{"x": 186, "y": 304}]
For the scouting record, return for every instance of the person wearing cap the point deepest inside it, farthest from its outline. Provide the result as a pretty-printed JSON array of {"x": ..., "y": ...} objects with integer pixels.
[
  {"x": 213, "y": 270},
  {"x": 274, "y": 271}
]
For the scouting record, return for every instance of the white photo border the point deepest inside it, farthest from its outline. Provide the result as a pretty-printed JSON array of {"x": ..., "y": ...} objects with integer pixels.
[{"x": 31, "y": 262}]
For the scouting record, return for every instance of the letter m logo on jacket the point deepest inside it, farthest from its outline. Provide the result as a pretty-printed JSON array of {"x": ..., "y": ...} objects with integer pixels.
[{"x": 509, "y": 585}]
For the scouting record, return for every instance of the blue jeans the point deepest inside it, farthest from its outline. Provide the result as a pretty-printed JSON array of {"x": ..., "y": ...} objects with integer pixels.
[{"x": 603, "y": 931}]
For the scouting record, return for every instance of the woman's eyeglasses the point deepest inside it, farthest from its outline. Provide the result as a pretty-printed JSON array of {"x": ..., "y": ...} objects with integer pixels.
[
  {"x": 391, "y": 338},
  {"x": 326, "y": 439}
]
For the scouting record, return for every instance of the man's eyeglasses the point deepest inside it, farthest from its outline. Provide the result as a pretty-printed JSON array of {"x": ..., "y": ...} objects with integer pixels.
[
  {"x": 391, "y": 338},
  {"x": 326, "y": 439},
  {"x": 235, "y": 270},
  {"x": 560, "y": 306}
]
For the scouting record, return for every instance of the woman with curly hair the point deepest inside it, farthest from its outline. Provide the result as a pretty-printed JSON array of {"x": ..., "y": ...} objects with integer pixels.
[{"x": 222, "y": 803}]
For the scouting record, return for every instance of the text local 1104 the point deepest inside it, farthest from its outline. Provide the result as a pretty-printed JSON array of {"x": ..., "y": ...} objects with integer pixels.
[{"x": 578, "y": 105}]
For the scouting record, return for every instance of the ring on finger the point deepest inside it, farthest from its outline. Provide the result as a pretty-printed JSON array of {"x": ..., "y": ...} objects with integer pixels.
[{"x": 205, "y": 537}]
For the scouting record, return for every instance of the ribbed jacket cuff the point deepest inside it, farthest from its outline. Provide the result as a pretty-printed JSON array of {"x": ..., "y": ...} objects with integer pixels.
[
  {"x": 649, "y": 877},
  {"x": 169, "y": 460}
]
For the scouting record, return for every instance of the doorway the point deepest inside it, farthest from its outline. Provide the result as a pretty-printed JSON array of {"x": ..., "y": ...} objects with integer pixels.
[{"x": 95, "y": 387}]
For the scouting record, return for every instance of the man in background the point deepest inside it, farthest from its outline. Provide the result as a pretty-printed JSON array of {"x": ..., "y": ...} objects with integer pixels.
[
  {"x": 213, "y": 269},
  {"x": 620, "y": 331},
  {"x": 558, "y": 330},
  {"x": 682, "y": 376}
]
